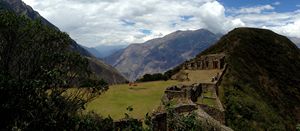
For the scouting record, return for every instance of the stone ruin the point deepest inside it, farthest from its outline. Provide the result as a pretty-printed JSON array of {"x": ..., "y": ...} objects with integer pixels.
[
  {"x": 206, "y": 62},
  {"x": 191, "y": 94},
  {"x": 182, "y": 91},
  {"x": 213, "y": 112},
  {"x": 186, "y": 96}
]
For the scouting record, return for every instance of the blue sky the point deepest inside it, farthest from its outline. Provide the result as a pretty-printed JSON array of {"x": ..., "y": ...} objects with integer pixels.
[
  {"x": 281, "y": 5},
  {"x": 115, "y": 22}
]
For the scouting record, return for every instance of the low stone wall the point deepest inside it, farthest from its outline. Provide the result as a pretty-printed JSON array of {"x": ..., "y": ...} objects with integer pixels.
[
  {"x": 159, "y": 121},
  {"x": 190, "y": 92},
  {"x": 221, "y": 75},
  {"x": 195, "y": 92},
  {"x": 175, "y": 94},
  {"x": 215, "y": 113},
  {"x": 185, "y": 108}
]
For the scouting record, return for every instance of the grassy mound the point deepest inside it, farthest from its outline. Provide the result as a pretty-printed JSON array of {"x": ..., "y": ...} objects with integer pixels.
[{"x": 261, "y": 87}]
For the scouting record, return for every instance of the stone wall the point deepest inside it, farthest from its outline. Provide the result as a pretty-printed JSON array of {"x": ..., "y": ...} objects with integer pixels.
[
  {"x": 190, "y": 92},
  {"x": 213, "y": 112},
  {"x": 195, "y": 92},
  {"x": 185, "y": 108},
  {"x": 212, "y": 61},
  {"x": 175, "y": 94},
  {"x": 180, "y": 76},
  {"x": 159, "y": 121}
]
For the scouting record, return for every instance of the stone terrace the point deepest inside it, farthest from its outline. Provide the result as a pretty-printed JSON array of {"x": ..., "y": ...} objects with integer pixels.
[{"x": 199, "y": 92}]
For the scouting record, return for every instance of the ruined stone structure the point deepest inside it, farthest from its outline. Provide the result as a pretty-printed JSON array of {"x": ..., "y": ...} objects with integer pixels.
[
  {"x": 205, "y": 62},
  {"x": 187, "y": 97},
  {"x": 183, "y": 108},
  {"x": 213, "y": 112},
  {"x": 159, "y": 121},
  {"x": 191, "y": 92}
]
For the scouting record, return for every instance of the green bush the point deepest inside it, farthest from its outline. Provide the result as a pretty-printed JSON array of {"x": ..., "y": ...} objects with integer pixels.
[
  {"x": 153, "y": 77},
  {"x": 93, "y": 122}
]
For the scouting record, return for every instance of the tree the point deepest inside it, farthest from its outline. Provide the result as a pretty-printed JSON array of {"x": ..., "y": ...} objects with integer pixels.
[
  {"x": 153, "y": 77},
  {"x": 36, "y": 70}
]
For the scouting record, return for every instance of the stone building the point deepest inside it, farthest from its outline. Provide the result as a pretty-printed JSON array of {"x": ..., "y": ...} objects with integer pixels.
[
  {"x": 205, "y": 62},
  {"x": 191, "y": 92}
]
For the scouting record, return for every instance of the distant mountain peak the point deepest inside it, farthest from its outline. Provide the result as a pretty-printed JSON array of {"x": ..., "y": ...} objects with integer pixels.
[{"x": 160, "y": 54}]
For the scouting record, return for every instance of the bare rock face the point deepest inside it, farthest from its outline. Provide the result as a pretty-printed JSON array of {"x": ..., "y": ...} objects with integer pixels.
[{"x": 161, "y": 54}]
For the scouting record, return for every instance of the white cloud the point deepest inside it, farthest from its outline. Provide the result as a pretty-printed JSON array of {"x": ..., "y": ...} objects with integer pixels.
[
  {"x": 291, "y": 29},
  {"x": 287, "y": 23},
  {"x": 95, "y": 22},
  {"x": 255, "y": 9},
  {"x": 276, "y": 3}
]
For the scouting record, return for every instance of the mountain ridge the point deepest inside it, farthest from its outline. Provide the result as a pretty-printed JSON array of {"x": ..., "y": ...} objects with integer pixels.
[
  {"x": 261, "y": 87},
  {"x": 296, "y": 40},
  {"x": 160, "y": 54},
  {"x": 102, "y": 51}
]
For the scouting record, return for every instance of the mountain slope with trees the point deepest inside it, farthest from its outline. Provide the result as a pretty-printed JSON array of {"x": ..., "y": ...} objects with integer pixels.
[
  {"x": 103, "y": 70},
  {"x": 36, "y": 70},
  {"x": 295, "y": 40},
  {"x": 261, "y": 87}
]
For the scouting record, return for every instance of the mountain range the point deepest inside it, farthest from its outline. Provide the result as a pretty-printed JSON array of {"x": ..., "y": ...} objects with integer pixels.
[
  {"x": 102, "y": 51},
  {"x": 161, "y": 54},
  {"x": 99, "y": 68},
  {"x": 295, "y": 40}
]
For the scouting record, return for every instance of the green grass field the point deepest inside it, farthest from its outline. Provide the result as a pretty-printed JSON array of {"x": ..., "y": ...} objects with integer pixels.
[
  {"x": 202, "y": 76},
  {"x": 145, "y": 97}
]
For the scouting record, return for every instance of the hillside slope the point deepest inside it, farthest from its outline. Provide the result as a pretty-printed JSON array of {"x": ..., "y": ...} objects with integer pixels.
[
  {"x": 109, "y": 74},
  {"x": 161, "y": 54},
  {"x": 296, "y": 41},
  {"x": 261, "y": 88}
]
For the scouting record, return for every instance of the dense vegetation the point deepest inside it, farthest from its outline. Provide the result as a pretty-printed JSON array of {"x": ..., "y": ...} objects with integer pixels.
[
  {"x": 37, "y": 70},
  {"x": 153, "y": 77},
  {"x": 261, "y": 88}
]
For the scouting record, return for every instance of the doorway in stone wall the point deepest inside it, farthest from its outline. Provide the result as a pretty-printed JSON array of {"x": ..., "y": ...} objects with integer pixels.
[{"x": 215, "y": 64}]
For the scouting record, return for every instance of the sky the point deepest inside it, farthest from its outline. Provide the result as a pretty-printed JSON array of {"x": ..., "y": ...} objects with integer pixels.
[{"x": 115, "y": 22}]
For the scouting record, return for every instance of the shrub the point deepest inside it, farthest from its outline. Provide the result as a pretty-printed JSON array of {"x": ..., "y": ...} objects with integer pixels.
[{"x": 153, "y": 77}]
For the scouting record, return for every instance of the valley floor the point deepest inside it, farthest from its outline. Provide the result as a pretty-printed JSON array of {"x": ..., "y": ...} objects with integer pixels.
[{"x": 145, "y": 97}]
